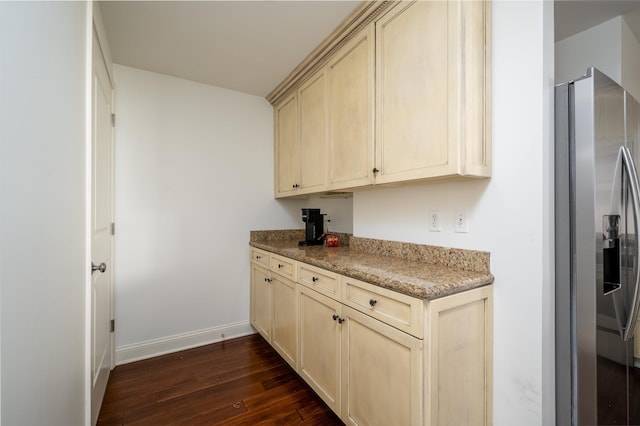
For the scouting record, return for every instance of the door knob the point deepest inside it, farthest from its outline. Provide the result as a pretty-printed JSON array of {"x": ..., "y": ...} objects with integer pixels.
[{"x": 101, "y": 267}]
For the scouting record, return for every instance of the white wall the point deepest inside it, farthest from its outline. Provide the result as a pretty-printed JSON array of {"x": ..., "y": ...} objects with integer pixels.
[
  {"x": 338, "y": 210},
  {"x": 43, "y": 269},
  {"x": 611, "y": 47},
  {"x": 630, "y": 73},
  {"x": 509, "y": 215},
  {"x": 599, "y": 47},
  {"x": 194, "y": 174}
]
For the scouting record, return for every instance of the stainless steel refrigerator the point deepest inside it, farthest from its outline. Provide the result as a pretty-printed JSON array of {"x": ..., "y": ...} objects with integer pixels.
[{"x": 597, "y": 208}]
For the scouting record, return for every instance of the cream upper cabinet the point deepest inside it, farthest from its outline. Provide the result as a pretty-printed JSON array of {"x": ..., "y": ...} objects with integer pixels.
[
  {"x": 431, "y": 91},
  {"x": 351, "y": 92},
  {"x": 287, "y": 160},
  {"x": 312, "y": 102},
  {"x": 405, "y": 96},
  {"x": 301, "y": 139}
]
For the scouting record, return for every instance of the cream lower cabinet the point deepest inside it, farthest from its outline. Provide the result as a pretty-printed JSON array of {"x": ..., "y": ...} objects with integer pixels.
[
  {"x": 366, "y": 371},
  {"x": 375, "y": 356},
  {"x": 261, "y": 310},
  {"x": 458, "y": 359},
  {"x": 284, "y": 334},
  {"x": 273, "y": 304},
  {"x": 381, "y": 373},
  {"x": 319, "y": 331}
]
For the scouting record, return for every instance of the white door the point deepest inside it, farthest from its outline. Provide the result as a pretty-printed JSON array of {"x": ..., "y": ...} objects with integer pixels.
[{"x": 101, "y": 231}]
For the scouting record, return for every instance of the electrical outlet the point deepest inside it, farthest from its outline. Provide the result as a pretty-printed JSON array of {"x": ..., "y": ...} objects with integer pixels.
[
  {"x": 460, "y": 222},
  {"x": 434, "y": 221}
]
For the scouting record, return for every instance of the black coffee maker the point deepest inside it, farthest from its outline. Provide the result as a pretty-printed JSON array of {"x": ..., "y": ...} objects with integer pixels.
[{"x": 314, "y": 227}]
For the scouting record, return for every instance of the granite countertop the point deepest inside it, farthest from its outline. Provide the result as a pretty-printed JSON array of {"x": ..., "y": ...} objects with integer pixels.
[{"x": 422, "y": 271}]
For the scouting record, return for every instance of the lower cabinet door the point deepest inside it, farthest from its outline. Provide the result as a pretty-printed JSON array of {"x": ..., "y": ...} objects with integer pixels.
[
  {"x": 319, "y": 360},
  {"x": 285, "y": 314},
  {"x": 261, "y": 301},
  {"x": 381, "y": 373}
]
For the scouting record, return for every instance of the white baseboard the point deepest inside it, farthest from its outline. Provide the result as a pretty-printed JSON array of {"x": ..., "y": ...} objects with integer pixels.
[{"x": 138, "y": 351}]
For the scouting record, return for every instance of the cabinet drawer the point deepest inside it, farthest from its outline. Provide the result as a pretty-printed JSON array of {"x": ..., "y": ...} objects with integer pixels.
[
  {"x": 396, "y": 309},
  {"x": 283, "y": 266},
  {"x": 319, "y": 279},
  {"x": 260, "y": 257}
]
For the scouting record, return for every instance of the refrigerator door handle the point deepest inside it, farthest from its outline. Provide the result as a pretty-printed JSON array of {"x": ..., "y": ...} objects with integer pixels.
[{"x": 632, "y": 176}]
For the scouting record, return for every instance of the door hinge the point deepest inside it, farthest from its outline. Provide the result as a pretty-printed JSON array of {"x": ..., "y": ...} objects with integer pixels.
[
  {"x": 113, "y": 228},
  {"x": 113, "y": 325},
  {"x": 113, "y": 120}
]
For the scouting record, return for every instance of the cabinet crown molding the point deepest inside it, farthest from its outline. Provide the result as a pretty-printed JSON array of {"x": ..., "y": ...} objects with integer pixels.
[{"x": 364, "y": 13}]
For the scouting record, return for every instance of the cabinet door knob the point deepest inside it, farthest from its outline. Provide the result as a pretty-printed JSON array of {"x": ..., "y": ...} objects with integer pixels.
[
  {"x": 280, "y": 266},
  {"x": 267, "y": 280},
  {"x": 314, "y": 279},
  {"x": 258, "y": 257},
  {"x": 101, "y": 267},
  {"x": 373, "y": 302},
  {"x": 375, "y": 170},
  {"x": 340, "y": 320},
  {"x": 335, "y": 317}
]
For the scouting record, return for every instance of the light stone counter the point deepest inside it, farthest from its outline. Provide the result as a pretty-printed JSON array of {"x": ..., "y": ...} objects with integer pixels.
[{"x": 422, "y": 271}]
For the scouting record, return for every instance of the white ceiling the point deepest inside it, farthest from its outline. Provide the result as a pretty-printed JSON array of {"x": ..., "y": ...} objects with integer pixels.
[
  {"x": 248, "y": 46},
  {"x": 251, "y": 46}
]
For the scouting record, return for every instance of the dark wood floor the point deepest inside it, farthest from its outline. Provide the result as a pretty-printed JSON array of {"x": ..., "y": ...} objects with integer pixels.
[{"x": 237, "y": 382}]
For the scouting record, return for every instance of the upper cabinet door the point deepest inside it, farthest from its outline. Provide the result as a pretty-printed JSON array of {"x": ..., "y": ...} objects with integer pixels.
[
  {"x": 287, "y": 165},
  {"x": 431, "y": 91},
  {"x": 312, "y": 99},
  {"x": 414, "y": 103},
  {"x": 351, "y": 93}
]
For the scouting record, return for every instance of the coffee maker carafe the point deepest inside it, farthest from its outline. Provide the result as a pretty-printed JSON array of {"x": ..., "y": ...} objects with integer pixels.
[{"x": 314, "y": 227}]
